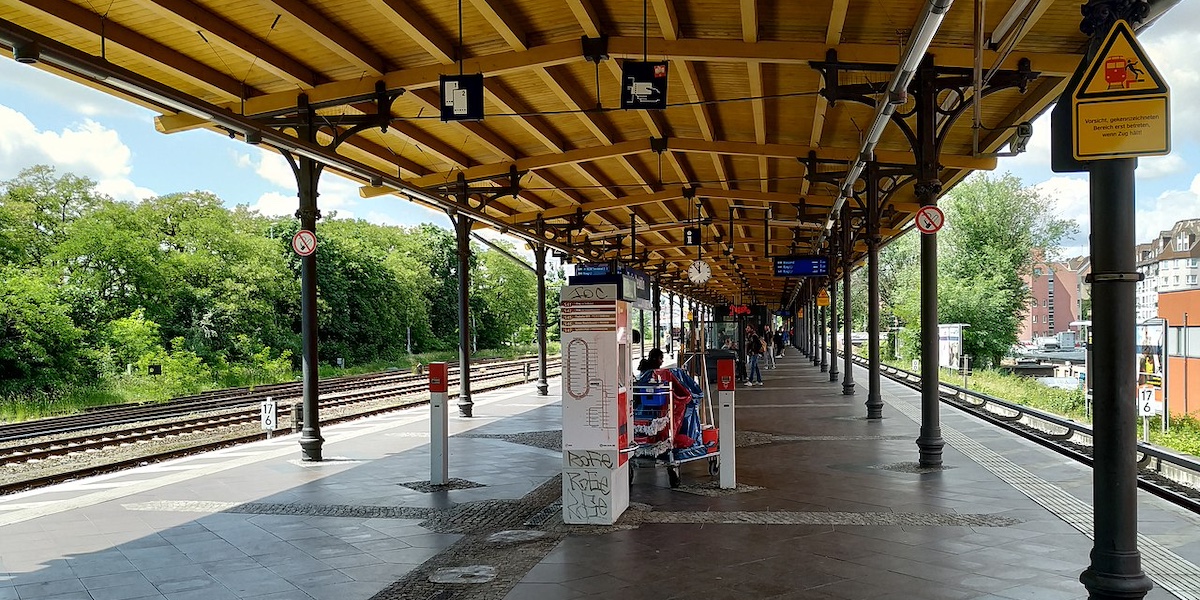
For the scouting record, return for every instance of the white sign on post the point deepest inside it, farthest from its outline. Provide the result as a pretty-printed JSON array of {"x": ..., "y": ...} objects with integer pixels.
[
  {"x": 269, "y": 415},
  {"x": 1146, "y": 401}
]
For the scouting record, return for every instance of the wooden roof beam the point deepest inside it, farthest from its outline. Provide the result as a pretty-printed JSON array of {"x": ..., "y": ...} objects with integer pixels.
[
  {"x": 326, "y": 32},
  {"x": 418, "y": 77},
  {"x": 538, "y": 127},
  {"x": 544, "y": 161},
  {"x": 674, "y": 193},
  {"x": 757, "y": 106},
  {"x": 503, "y": 22},
  {"x": 1057, "y": 64},
  {"x": 486, "y": 136},
  {"x": 833, "y": 37},
  {"x": 686, "y": 145},
  {"x": 195, "y": 72},
  {"x": 559, "y": 53},
  {"x": 418, "y": 28},
  {"x": 237, "y": 40},
  {"x": 795, "y": 151}
]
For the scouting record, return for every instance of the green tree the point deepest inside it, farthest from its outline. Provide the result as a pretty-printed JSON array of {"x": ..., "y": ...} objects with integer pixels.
[
  {"x": 509, "y": 299},
  {"x": 994, "y": 228},
  {"x": 39, "y": 344},
  {"x": 36, "y": 208}
]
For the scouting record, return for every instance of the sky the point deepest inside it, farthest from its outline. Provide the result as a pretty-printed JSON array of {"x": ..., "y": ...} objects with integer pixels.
[{"x": 45, "y": 119}]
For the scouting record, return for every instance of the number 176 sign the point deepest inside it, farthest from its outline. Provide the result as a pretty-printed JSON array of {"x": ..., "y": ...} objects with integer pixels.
[{"x": 1148, "y": 405}]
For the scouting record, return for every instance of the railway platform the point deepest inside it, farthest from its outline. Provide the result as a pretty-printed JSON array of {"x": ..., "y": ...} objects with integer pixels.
[{"x": 829, "y": 506}]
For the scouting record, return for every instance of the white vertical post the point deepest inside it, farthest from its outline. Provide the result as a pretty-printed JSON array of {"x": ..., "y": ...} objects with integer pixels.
[
  {"x": 439, "y": 424},
  {"x": 726, "y": 435}
]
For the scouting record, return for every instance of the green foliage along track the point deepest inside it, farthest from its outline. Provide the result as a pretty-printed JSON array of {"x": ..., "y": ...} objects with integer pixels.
[{"x": 93, "y": 291}]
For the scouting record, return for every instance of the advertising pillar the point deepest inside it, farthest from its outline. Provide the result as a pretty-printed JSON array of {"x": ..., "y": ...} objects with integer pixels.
[
  {"x": 439, "y": 423},
  {"x": 597, "y": 412},
  {"x": 725, "y": 436}
]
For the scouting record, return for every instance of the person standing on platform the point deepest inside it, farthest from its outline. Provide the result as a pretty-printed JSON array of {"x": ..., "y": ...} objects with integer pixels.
[
  {"x": 780, "y": 344},
  {"x": 769, "y": 342},
  {"x": 754, "y": 351}
]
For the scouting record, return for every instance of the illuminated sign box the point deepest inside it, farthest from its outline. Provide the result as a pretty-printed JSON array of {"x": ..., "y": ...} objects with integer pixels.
[{"x": 801, "y": 266}]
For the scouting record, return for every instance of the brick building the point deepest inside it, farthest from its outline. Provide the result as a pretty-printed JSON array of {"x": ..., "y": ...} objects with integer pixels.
[{"x": 1058, "y": 296}]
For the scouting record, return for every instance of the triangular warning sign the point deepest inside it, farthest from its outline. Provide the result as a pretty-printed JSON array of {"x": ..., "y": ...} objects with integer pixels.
[{"x": 1121, "y": 69}]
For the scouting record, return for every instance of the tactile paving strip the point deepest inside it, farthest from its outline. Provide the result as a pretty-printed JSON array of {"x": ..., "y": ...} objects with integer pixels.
[
  {"x": 829, "y": 518},
  {"x": 1171, "y": 571}
]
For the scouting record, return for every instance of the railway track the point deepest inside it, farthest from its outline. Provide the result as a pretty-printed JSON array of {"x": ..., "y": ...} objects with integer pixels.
[
  {"x": 227, "y": 414},
  {"x": 1167, "y": 474},
  {"x": 216, "y": 400}
]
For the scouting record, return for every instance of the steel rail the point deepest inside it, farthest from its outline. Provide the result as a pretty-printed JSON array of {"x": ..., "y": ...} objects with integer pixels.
[
  {"x": 226, "y": 398},
  {"x": 503, "y": 375},
  {"x": 1066, "y": 436}
]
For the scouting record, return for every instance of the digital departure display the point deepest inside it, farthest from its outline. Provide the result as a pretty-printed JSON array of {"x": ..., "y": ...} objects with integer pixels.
[{"x": 801, "y": 266}]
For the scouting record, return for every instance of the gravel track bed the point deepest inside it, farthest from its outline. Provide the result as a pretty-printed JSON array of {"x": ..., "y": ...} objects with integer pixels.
[{"x": 16, "y": 472}]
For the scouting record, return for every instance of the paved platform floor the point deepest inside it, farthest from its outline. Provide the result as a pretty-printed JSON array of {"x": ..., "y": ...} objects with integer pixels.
[{"x": 830, "y": 505}]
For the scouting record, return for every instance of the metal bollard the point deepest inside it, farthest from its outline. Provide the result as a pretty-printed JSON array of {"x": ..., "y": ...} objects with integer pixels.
[
  {"x": 526, "y": 371},
  {"x": 297, "y": 417}
]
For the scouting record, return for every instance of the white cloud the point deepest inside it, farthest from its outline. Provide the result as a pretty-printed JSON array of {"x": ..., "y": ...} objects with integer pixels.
[
  {"x": 1155, "y": 167},
  {"x": 1167, "y": 209},
  {"x": 89, "y": 149},
  {"x": 1171, "y": 45},
  {"x": 334, "y": 192},
  {"x": 274, "y": 204},
  {"x": 1071, "y": 198},
  {"x": 68, "y": 95}
]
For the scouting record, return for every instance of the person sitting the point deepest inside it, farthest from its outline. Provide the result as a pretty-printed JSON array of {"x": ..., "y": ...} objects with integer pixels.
[{"x": 653, "y": 361}]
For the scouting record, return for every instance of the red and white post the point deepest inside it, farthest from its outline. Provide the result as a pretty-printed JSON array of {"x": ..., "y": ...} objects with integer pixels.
[
  {"x": 439, "y": 424},
  {"x": 725, "y": 436}
]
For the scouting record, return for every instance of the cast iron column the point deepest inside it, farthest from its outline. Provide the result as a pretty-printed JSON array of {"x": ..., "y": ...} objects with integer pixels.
[
  {"x": 822, "y": 355},
  {"x": 657, "y": 298},
  {"x": 462, "y": 227},
  {"x": 642, "y": 331},
  {"x": 847, "y": 342},
  {"x": 814, "y": 331},
  {"x": 1116, "y": 567},
  {"x": 823, "y": 329},
  {"x": 671, "y": 320},
  {"x": 927, "y": 188},
  {"x": 539, "y": 255},
  {"x": 308, "y": 173},
  {"x": 833, "y": 313},
  {"x": 874, "y": 397}
]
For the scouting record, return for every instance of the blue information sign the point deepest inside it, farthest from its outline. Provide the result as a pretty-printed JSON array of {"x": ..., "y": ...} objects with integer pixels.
[
  {"x": 592, "y": 269},
  {"x": 801, "y": 266}
]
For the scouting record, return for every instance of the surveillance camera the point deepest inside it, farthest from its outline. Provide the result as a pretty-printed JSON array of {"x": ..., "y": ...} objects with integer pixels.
[{"x": 1024, "y": 133}]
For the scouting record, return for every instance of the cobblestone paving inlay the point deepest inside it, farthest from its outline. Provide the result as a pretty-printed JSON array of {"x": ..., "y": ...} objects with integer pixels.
[
  {"x": 830, "y": 518},
  {"x": 548, "y": 440},
  {"x": 713, "y": 489},
  {"x": 912, "y": 467},
  {"x": 453, "y": 483},
  {"x": 511, "y": 560}
]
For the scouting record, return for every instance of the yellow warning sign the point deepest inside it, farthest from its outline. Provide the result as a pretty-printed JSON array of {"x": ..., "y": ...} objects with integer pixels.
[
  {"x": 1134, "y": 127},
  {"x": 822, "y": 298},
  {"x": 1121, "y": 107}
]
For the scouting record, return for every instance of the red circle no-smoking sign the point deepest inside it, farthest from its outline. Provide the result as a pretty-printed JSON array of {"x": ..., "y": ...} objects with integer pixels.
[
  {"x": 930, "y": 219},
  {"x": 304, "y": 242}
]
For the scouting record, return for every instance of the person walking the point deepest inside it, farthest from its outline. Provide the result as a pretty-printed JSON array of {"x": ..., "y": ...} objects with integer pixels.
[
  {"x": 754, "y": 351},
  {"x": 769, "y": 342}
]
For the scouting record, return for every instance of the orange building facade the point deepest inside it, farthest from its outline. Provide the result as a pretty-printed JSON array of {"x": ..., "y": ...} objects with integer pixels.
[{"x": 1181, "y": 309}]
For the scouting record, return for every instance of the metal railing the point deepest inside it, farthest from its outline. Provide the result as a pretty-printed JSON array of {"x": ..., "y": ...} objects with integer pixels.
[{"x": 1056, "y": 431}]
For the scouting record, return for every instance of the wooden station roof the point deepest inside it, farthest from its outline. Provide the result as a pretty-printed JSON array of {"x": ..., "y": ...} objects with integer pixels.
[{"x": 745, "y": 109}]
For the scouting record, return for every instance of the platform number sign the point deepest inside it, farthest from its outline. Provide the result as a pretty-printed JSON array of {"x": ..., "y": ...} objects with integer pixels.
[
  {"x": 269, "y": 414},
  {"x": 1146, "y": 401}
]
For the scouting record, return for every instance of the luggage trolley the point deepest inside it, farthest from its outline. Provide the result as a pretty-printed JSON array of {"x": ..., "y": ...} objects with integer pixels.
[{"x": 667, "y": 430}]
